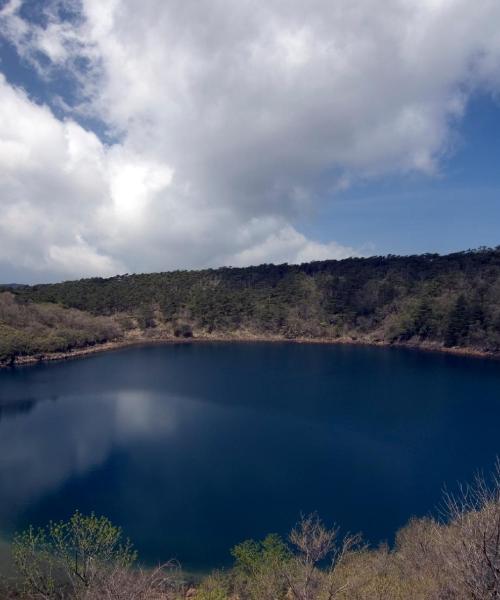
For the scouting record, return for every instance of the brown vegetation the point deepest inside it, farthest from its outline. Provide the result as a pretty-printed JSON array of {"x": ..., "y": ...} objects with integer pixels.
[
  {"x": 455, "y": 558},
  {"x": 28, "y": 329},
  {"x": 427, "y": 301}
]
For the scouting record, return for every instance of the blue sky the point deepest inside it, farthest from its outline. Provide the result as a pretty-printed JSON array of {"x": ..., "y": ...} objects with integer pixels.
[
  {"x": 142, "y": 137},
  {"x": 457, "y": 209}
]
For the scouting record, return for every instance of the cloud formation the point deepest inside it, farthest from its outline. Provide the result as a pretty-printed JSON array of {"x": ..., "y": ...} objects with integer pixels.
[{"x": 230, "y": 121}]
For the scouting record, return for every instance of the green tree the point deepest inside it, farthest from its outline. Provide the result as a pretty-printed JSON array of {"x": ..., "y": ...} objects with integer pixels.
[
  {"x": 69, "y": 554},
  {"x": 259, "y": 567},
  {"x": 458, "y": 324},
  {"x": 424, "y": 325},
  {"x": 213, "y": 587}
]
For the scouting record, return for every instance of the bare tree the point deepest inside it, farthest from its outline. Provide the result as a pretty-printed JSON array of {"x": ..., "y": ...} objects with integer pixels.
[
  {"x": 314, "y": 544},
  {"x": 470, "y": 544},
  {"x": 119, "y": 583}
]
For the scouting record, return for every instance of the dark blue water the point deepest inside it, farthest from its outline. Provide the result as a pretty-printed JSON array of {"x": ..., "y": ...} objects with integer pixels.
[{"x": 193, "y": 448}]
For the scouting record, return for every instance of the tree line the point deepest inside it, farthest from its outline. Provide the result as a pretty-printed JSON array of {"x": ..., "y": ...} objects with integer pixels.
[{"x": 451, "y": 300}]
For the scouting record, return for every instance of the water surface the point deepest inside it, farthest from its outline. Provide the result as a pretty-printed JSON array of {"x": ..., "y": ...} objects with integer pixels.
[{"x": 193, "y": 448}]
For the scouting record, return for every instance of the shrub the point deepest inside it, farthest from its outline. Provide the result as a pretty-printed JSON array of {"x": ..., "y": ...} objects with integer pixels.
[
  {"x": 457, "y": 558},
  {"x": 183, "y": 330},
  {"x": 69, "y": 555},
  {"x": 213, "y": 587},
  {"x": 27, "y": 329}
]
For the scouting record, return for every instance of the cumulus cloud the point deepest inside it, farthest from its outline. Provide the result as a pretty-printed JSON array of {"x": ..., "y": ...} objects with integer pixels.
[
  {"x": 52, "y": 177},
  {"x": 279, "y": 243},
  {"x": 231, "y": 122}
]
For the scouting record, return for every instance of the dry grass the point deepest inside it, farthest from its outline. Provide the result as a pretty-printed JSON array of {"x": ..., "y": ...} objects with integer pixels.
[{"x": 454, "y": 558}]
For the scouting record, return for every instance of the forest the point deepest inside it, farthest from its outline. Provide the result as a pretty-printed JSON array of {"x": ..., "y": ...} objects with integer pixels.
[
  {"x": 30, "y": 329},
  {"x": 450, "y": 301}
]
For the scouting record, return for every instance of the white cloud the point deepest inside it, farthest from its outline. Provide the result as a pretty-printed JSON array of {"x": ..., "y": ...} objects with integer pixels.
[
  {"x": 81, "y": 258},
  {"x": 134, "y": 182},
  {"x": 234, "y": 119},
  {"x": 52, "y": 178},
  {"x": 279, "y": 243}
]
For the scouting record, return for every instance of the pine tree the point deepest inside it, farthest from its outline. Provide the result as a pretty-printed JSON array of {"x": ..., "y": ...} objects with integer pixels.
[{"x": 458, "y": 324}]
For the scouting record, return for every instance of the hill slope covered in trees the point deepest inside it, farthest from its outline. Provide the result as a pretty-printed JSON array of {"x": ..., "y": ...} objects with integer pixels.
[
  {"x": 427, "y": 300},
  {"x": 28, "y": 329}
]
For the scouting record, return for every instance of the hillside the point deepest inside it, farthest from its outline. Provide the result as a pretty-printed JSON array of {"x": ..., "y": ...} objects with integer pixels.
[
  {"x": 29, "y": 329},
  {"x": 429, "y": 300}
]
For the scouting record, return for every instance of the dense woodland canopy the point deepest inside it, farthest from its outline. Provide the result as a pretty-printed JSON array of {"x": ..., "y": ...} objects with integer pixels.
[{"x": 451, "y": 301}]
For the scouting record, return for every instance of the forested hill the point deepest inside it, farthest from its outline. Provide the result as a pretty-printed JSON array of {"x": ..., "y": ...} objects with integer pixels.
[{"x": 451, "y": 300}]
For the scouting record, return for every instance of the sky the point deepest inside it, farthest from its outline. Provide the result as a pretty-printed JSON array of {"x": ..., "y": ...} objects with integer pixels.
[{"x": 151, "y": 135}]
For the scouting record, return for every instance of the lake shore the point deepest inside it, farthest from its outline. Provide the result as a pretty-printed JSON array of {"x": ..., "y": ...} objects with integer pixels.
[{"x": 240, "y": 337}]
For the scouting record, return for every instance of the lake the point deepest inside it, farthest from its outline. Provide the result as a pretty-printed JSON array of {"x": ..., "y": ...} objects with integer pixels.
[{"x": 192, "y": 448}]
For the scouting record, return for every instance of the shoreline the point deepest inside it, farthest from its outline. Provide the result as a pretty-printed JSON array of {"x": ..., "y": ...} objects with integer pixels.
[{"x": 26, "y": 361}]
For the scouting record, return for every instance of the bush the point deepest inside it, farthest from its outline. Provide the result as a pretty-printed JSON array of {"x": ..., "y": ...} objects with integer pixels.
[
  {"x": 70, "y": 555},
  {"x": 213, "y": 587},
  {"x": 457, "y": 558},
  {"x": 183, "y": 330},
  {"x": 27, "y": 329}
]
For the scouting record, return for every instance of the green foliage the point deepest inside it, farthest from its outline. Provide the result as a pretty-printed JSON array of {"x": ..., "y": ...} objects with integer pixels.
[
  {"x": 145, "y": 317},
  {"x": 458, "y": 323},
  {"x": 27, "y": 328},
  {"x": 260, "y": 567},
  {"x": 69, "y": 554},
  {"x": 84, "y": 542},
  {"x": 457, "y": 557},
  {"x": 34, "y": 559},
  {"x": 213, "y": 587},
  {"x": 451, "y": 300},
  {"x": 250, "y": 556},
  {"x": 12, "y": 343}
]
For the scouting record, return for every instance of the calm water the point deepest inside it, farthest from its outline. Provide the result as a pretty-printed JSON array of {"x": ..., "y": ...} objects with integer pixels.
[{"x": 193, "y": 448}]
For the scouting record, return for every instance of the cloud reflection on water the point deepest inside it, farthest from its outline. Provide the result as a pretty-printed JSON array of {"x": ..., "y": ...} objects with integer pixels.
[
  {"x": 194, "y": 448},
  {"x": 50, "y": 442}
]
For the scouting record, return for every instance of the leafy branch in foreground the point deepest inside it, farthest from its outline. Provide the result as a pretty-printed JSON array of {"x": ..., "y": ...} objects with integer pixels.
[
  {"x": 74, "y": 554},
  {"x": 36, "y": 564},
  {"x": 457, "y": 558}
]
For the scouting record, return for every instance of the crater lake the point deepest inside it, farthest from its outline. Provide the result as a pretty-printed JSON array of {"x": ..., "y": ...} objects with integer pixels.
[{"x": 192, "y": 448}]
